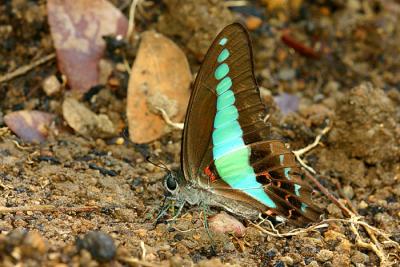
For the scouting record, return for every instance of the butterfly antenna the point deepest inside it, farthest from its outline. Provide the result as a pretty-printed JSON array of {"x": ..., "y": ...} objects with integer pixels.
[{"x": 159, "y": 164}]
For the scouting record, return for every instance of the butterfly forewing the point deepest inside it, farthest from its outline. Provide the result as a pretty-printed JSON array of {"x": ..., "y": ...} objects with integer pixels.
[{"x": 197, "y": 136}]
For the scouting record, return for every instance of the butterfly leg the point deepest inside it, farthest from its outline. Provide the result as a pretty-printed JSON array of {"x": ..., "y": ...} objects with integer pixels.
[
  {"x": 205, "y": 221},
  {"x": 164, "y": 207},
  {"x": 178, "y": 213}
]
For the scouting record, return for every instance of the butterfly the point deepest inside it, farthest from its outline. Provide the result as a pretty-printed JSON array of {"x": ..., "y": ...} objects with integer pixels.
[{"x": 228, "y": 157}]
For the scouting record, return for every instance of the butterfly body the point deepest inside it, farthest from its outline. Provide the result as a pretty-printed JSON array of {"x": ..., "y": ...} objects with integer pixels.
[{"x": 228, "y": 157}]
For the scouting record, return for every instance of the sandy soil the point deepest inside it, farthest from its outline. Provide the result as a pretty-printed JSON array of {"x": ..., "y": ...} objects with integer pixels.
[{"x": 74, "y": 184}]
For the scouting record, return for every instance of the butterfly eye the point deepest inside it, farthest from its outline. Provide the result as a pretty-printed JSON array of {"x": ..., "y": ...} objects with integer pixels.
[{"x": 171, "y": 183}]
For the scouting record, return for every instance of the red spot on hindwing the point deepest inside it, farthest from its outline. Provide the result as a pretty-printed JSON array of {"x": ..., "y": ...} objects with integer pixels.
[{"x": 210, "y": 174}]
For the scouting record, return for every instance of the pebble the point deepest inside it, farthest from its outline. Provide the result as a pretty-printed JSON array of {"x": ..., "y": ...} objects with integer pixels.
[
  {"x": 313, "y": 264},
  {"x": 334, "y": 210},
  {"x": 20, "y": 243},
  {"x": 296, "y": 257},
  {"x": 362, "y": 205},
  {"x": 100, "y": 245},
  {"x": 331, "y": 87},
  {"x": 324, "y": 255},
  {"x": 279, "y": 264},
  {"x": 15, "y": 237},
  {"x": 33, "y": 245},
  {"x": 286, "y": 74},
  {"x": 348, "y": 191},
  {"x": 51, "y": 85},
  {"x": 119, "y": 141},
  {"x": 229, "y": 247},
  {"x": 287, "y": 260},
  {"x": 359, "y": 257},
  {"x": 270, "y": 254},
  {"x": 253, "y": 22},
  {"x": 225, "y": 223}
]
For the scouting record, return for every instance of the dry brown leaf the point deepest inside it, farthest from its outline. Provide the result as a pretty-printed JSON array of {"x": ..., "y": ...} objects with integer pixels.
[
  {"x": 77, "y": 28},
  {"x": 30, "y": 125},
  {"x": 86, "y": 122},
  {"x": 160, "y": 78}
]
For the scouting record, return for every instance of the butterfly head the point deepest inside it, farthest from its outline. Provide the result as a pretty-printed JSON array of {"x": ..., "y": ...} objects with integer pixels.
[
  {"x": 174, "y": 184},
  {"x": 178, "y": 189},
  {"x": 171, "y": 183}
]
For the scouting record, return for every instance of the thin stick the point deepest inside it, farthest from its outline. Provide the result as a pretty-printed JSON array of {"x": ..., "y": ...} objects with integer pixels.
[
  {"x": 325, "y": 191},
  {"x": 377, "y": 246},
  {"x": 300, "y": 152},
  {"x": 24, "y": 69},
  {"x": 302, "y": 163},
  {"x": 315, "y": 143},
  {"x": 236, "y": 3},
  {"x": 294, "y": 232},
  {"x": 137, "y": 262},
  {"x": 47, "y": 208},
  {"x": 266, "y": 118},
  {"x": 168, "y": 121},
  {"x": 354, "y": 220},
  {"x": 131, "y": 22},
  {"x": 143, "y": 248}
]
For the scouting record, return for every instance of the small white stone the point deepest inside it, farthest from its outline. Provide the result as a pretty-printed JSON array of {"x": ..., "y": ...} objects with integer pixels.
[
  {"x": 348, "y": 191},
  {"x": 324, "y": 255},
  {"x": 51, "y": 85}
]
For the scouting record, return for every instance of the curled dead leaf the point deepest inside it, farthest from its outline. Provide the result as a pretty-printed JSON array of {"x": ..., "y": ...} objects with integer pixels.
[
  {"x": 86, "y": 122},
  {"x": 160, "y": 78},
  {"x": 30, "y": 125},
  {"x": 77, "y": 28}
]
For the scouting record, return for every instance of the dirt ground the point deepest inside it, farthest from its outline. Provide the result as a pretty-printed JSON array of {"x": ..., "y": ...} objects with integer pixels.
[{"x": 344, "y": 68}]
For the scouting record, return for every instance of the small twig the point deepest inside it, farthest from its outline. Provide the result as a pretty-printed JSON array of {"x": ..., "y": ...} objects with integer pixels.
[
  {"x": 377, "y": 246},
  {"x": 143, "y": 248},
  {"x": 4, "y": 186},
  {"x": 127, "y": 66},
  {"x": 302, "y": 163},
  {"x": 300, "y": 152},
  {"x": 351, "y": 207},
  {"x": 266, "y": 118},
  {"x": 47, "y": 208},
  {"x": 19, "y": 146},
  {"x": 168, "y": 120},
  {"x": 354, "y": 220},
  {"x": 24, "y": 69},
  {"x": 136, "y": 262},
  {"x": 236, "y": 3},
  {"x": 293, "y": 232},
  {"x": 131, "y": 22},
  {"x": 304, "y": 150},
  {"x": 325, "y": 191},
  {"x": 240, "y": 242}
]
